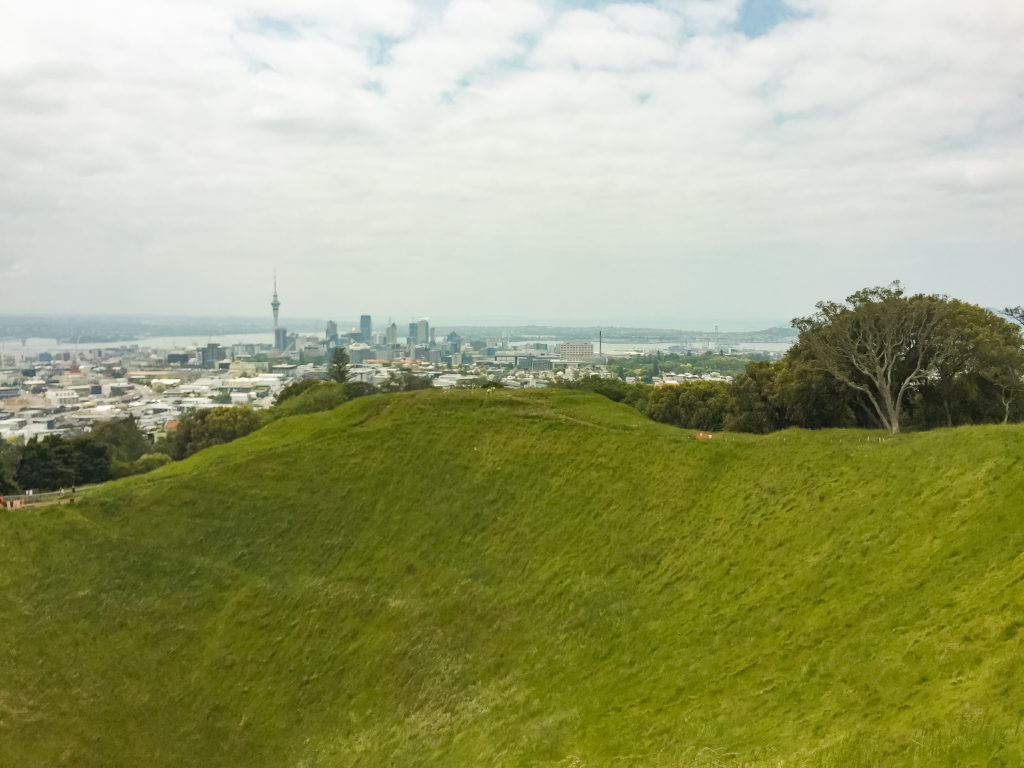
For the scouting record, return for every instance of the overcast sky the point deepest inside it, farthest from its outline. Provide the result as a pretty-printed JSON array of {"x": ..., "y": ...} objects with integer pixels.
[{"x": 679, "y": 164}]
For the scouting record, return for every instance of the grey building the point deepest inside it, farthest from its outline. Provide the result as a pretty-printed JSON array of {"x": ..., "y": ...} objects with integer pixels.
[{"x": 280, "y": 339}]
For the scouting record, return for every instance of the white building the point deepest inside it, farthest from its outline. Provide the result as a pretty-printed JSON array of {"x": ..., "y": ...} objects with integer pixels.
[
  {"x": 576, "y": 351},
  {"x": 61, "y": 397}
]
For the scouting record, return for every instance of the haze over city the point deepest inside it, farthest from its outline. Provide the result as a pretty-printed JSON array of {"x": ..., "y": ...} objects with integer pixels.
[{"x": 678, "y": 165}]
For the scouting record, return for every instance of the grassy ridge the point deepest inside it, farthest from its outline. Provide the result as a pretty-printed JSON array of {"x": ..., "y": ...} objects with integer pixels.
[{"x": 525, "y": 579}]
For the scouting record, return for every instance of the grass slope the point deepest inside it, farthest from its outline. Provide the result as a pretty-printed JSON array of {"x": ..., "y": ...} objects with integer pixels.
[{"x": 538, "y": 578}]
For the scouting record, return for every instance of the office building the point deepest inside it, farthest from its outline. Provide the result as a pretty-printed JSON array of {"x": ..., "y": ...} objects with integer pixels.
[{"x": 575, "y": 351}]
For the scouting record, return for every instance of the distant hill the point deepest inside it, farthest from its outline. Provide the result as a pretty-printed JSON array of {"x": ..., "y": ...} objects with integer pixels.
[{"x": 525, "y": 579}]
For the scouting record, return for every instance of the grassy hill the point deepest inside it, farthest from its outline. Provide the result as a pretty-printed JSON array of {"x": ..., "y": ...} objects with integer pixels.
[{"x": 535, "y": 579}]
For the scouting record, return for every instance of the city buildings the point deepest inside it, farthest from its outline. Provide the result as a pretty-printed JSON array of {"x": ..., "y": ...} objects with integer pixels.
[{"x": 62, "y": 391}]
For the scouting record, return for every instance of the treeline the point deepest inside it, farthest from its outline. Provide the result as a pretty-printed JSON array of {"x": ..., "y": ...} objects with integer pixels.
[
  {"x": 881, "y": 360},
  {"x": 645, "y": 368},
  {"x": 111, "y": 450}
]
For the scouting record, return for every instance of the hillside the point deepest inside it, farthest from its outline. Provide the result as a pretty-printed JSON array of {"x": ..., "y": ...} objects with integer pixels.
[{"x": 535, "y": 579}]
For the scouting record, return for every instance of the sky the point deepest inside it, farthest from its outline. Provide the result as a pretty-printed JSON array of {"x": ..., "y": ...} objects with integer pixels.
[{"x": 683, "y": 164}]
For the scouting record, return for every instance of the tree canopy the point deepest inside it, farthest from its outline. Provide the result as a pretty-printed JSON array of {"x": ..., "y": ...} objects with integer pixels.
[
  {"x": 212, "y": 426},
  {"x": 338, "y": 370},
  {"x": 878, "y": 342},
  {"x": 880, "y": 359}
]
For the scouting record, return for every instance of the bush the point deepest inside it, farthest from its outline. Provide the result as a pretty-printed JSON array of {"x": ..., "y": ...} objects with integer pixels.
[
  {"x": 213, "y": 426},
  {"x": 313, "y": 397},
  {"x": 354, "y": 389},
  {"x": 295, "y": 389},
  {"x": 140, "y": 466}
]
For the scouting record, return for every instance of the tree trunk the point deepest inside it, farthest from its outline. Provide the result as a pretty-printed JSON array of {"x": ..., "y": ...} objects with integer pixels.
[{"x": 891, "y": 416}]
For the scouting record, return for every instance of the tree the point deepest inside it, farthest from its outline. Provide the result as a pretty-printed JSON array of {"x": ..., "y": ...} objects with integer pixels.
[
  {"x": 1001, "y": 361},
  {"x": 7, "y": 482},
  {"x": 972, "y": 340},
  {"x": 697, "y": 405},
  {"x": 310, "y": 396},
  {"x": 58, "y": 462},
  {"x": 46, "y": 464},
  {"x": 1006, "y": 372},
  {"x": 354, "y": 389},
  {"x": 10, "y": 455},
  {"x": 406, "y": 382},
  {"x": 1017, "y": 313},
  {"x": 146, "y": 463},
  {"x": 752, "y": 401},
  {"x": 338, "y": 370},
  {"x": 124, "y": 438},
  {"x": 212, "y": 426},
  {"x": 91, "y": 461},
  {"x": 808, "y": 397},
  {"x": 295, "y": 389},
  {"x": 878, "y": 342}
]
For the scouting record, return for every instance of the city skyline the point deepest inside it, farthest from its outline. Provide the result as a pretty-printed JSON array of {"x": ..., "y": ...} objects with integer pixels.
[{"x": 642, "y": 164}]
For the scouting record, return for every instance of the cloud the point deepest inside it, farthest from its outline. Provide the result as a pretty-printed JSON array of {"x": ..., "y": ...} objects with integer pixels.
[{"x": 471, "y": 152}]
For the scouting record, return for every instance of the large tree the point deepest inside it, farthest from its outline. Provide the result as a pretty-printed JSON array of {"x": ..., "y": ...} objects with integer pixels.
[
  {"x": 971, "y": 339},
  {"x": 1017, "y": 313},
  {"x": 7, "y": 482},
  {"x": 753, "y": 406},
  {"x": 124, "y": 438},
  {"x": 878, "y": 342},
  {"x": 200, "y": 429},
  {"x": 338, "y": 370},
  {"x": 1001, "y": 361}
]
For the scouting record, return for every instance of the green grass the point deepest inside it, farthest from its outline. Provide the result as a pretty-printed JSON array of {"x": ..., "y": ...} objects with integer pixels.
[{"x": 535, "y": 579}]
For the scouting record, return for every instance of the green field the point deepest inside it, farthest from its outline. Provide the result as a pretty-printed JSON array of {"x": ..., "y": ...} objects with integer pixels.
[{"x": 525, "y": 579}]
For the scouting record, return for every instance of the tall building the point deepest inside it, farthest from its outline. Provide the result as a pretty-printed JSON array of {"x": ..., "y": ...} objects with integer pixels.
[
  {"x": 280, "y": 339},
  {"x": 366, "y": 328},
  {"x": 413, "y": 336},
  {"x": 212, "y": 354},
  {"x": 275, "y": 305},
  {"x": 332, "y": 330},
  {"x": 576, "y": 351},
  {"x": 423, "y": 331},
  {"x": 392, "y": 334}
]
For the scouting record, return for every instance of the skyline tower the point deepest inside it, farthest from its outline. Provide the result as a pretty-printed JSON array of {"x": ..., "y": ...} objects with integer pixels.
[{"x": 275, "y": 304}]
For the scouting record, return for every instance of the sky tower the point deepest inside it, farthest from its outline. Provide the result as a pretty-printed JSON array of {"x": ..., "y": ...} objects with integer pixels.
[{"x": 275, "y": 304}]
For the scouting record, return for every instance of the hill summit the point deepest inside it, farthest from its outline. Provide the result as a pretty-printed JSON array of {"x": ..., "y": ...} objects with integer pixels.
[{"x": 525, "y": 578}]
